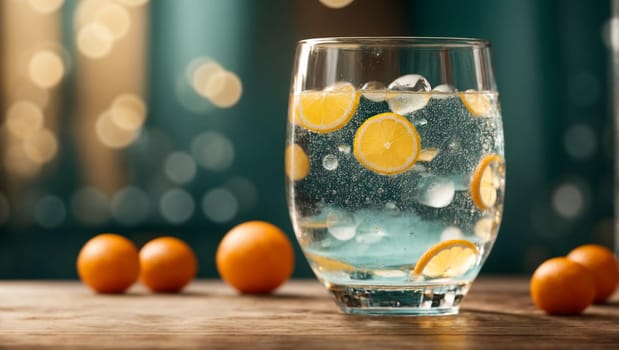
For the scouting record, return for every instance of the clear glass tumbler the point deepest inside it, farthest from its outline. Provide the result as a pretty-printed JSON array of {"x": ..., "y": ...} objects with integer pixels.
[{"x": 394, "y": 167}]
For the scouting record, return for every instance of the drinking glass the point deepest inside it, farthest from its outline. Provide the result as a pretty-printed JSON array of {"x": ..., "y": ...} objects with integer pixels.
[{"x": 394, "y": 169}]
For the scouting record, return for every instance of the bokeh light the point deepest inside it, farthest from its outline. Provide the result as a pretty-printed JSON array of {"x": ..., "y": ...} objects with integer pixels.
[
  {"x": 111, "y": 135},
  {"x": 128, "y": 112},
  {"x": 219, "y": 205},
  {"x": 189, "y": 98},
  {"x": 90, "y": 206},
  {"x": 16, "y": 161},
  {"x": 115, "y": 18},
  {"x": 50, "y": 211},
  {"x": 45, "y": 6},
  {"x": 200, "y": 72},
  {"x": 336, "y": 4},
  {"x": 41, "y": 146},
  {"x": 24, "y": 118},
  {"x": 579, "y": 141},
  {"x": 213, "y": 82},
  {"x": 180, "y": 167},
  {"x": 46, "y": 68},
  {"x": 130, "y": 206},
  {"x": 568, "y": 200},
  {"x": 213, "y": 151},
  {"x": 95, "y": 40},
  {"x": 223, "y": 89},
  {"x": 176, "y": 206},
  {"x": 245, "y": 191}
]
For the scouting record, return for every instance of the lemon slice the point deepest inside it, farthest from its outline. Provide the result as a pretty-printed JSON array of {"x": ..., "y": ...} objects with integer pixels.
[
  {"x": 387, "y": 144},
  {"x": 327, "y": 110},
  {"x": 478, "y": 103},
  {"x": 450, "y": 258},
  {"x": 325, "y": 264},
  {"x": 484, "y": 184},
  {"x": 297, "y": 162}
]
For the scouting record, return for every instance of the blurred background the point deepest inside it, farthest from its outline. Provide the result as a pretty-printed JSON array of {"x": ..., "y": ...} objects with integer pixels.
[{"x": 168, "y": 117}]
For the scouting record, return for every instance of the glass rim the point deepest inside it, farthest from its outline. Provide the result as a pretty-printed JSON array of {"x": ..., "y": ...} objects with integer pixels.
[{"x": 403, "y": 41}]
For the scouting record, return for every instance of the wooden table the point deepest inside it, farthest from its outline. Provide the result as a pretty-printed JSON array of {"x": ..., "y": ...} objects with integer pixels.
[{"x": 496, "y": 314}]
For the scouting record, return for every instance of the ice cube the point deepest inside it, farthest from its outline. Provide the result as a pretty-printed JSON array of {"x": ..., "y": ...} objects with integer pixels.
[
  {"x": 344, "y": 148},
  {"x": 410, "y": 82},
  {"x": 341, "y": 226},
  {"x": 408, "y": 93},
  {"x": 444, "y": 91},
  {"x": 374, "y": 91},
  {"x": 330, "y": 162},
  {"x": 436, "y": 192}
]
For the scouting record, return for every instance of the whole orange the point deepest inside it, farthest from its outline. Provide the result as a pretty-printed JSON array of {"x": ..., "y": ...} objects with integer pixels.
[
  {"x": 167, "y": 264},
  {"x": 602, "y": 262},
  {"x": 108, "y": 263},
  {"x": 255, "y": 257},
  {"x": 561, "y": 286}
]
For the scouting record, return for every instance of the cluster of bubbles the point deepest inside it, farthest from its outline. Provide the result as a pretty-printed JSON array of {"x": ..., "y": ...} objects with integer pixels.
[
  {"x": 101, "y": 23},
  {"x": 120, "y": 124}
]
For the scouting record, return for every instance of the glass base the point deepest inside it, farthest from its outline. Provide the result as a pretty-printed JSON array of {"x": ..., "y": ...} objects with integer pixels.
[{"x": 419, "y": 300}]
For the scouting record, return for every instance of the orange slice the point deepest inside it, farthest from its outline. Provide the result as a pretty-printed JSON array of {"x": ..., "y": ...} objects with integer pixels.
[
  {"x": 478, "y": 103},
  {"x": 450, "y": 258},
  {"x": 387, "y": 144},
  {"x": 327, "y": 110},
  {"x": 484, "y": 184},
  {"x": 297, "y": 162},
  {"x": 323, "y": 263}
]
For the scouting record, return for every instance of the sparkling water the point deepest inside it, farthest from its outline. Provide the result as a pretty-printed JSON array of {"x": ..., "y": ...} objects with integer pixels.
[{"x": 361, "y": 228}]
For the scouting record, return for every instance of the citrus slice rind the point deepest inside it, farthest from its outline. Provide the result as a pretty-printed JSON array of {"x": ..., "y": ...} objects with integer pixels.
[
  {"x": 387, "y": 144},
  {"x": 484, "y": 184},
  {"x": 327, "y": 110},
  {"x": 478, "y": 103},
  {"x": 297, "y": 162},
  {"x": 447, "y": 259},
  {"x": 325, "y": 264}
]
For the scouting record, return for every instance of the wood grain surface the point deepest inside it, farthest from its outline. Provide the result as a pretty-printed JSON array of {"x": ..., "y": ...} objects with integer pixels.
[{"x": 497, "y": 313}]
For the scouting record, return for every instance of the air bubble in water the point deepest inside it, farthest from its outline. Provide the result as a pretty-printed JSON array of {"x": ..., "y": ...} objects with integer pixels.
[
  {"x": 330, "y": 162},
  {"x": 344, "y": 148},
  {"x": 402, "y": 98},
  {"x": 451, "y": 232},
  {"x": 420, "y": 122},
  {"x": 436, "y": 192},
  {"x": 374, "y": 91}
]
